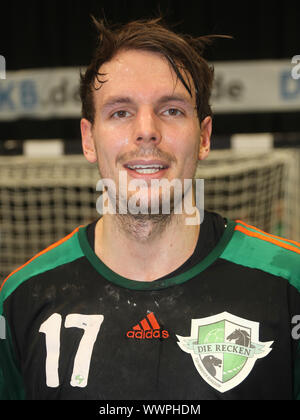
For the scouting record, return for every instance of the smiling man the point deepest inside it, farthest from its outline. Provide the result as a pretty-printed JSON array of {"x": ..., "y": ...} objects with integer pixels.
[
  {"x": 147, "y": 306},
  {"x": 146, "y": 124}
]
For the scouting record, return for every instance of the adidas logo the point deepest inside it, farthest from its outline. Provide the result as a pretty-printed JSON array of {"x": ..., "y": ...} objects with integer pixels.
[{"x": 147, "y": 328}]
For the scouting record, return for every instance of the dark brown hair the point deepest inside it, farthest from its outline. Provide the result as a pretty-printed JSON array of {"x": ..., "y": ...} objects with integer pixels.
[{"x": 183, "y": 52}]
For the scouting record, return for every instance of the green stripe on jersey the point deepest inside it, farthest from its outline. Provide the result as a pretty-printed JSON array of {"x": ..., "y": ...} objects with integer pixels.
[
  {"x": 285, "y": 241},
  {"x": 63, "y": 253},
  {"x": 256, "y": 253}
]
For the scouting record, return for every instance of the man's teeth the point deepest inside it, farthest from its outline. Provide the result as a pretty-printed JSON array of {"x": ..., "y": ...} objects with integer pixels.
[{"x": 146, "y": 169}]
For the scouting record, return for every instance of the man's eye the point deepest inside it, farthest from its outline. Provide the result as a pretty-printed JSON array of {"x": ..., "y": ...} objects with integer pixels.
[
  {"x": 120, "y": 114},
  {"x": 173, "y": 112}
]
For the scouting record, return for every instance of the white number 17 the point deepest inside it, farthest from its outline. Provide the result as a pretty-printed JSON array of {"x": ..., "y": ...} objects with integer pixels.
[{"x": 51, "y": 328}]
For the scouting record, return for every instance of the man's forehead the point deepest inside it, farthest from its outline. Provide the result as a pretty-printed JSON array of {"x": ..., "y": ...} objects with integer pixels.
[
  {"x": 131, "y": 60},
  {"x": 140, "y": 71}
]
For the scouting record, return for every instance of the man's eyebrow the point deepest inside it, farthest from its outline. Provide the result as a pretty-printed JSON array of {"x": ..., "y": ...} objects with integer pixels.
[
  {"x": 116, "y": 100},
  {"x": 177, "y": 98}
]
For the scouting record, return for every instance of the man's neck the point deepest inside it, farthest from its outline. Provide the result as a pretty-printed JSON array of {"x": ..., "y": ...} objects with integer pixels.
[{"x": 142, "y": 248}]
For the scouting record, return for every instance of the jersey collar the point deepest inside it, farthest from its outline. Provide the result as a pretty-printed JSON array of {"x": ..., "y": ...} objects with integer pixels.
[{"x": 115, "y": 278}]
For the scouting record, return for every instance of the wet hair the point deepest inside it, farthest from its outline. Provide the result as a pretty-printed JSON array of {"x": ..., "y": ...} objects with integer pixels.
[{"x": 182, "y": 51}]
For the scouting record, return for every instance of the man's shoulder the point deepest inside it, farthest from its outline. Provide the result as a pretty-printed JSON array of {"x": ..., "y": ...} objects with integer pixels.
[
  {"x": 61, "y": 252},
  {"x": 254, "y": 248}
]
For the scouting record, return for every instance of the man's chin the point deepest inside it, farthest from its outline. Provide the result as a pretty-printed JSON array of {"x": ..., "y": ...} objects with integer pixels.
[{"x": 142, "y": 227}]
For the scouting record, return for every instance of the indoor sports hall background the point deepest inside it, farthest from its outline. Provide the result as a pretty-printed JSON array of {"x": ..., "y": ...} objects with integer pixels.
[{"x": 253, "y": 171}]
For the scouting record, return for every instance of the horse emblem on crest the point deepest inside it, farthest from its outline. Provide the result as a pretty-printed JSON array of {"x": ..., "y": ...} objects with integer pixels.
[{"x": 224, "y": 349}]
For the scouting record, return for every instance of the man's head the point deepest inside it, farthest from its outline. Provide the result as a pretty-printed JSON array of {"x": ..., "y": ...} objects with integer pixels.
[
  {"x": 183, "y": 52},
  {"x": 145, "y": 102}
]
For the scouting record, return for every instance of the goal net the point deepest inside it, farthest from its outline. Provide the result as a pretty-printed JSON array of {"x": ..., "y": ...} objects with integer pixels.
[
  {"x": 259, "y": 188},
  {"x": 44, "y": 199}
]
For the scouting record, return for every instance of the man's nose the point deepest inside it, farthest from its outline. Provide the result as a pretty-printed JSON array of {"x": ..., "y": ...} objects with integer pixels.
[{"x": 147, "y": 127}]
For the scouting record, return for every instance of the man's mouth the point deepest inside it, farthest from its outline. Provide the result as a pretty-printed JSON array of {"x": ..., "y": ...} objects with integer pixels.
[{"x": 146, "y": 168}]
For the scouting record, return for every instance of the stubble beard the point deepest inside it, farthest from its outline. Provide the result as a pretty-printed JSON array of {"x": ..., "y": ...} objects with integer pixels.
[{"x": 142, "y": 227}]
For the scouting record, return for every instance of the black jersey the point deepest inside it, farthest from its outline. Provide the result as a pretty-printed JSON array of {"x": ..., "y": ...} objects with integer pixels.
[{"x": 222, "y": 326}]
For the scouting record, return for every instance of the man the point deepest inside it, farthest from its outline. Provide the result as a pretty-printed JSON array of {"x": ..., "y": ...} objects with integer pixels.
[{"x": 149, "y": 306}]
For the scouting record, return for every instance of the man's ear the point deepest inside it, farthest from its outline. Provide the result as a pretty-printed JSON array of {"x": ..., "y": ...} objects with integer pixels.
[
  {"x": 206, "y": 129},
  {"x": 88, "y": 145}
]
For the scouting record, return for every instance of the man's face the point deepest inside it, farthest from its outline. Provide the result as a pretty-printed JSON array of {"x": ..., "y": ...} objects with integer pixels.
[{"x": 145, "y": 122}]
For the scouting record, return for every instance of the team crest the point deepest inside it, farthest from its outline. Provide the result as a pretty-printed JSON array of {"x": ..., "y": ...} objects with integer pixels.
[{"x": 224, "y": 349}]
